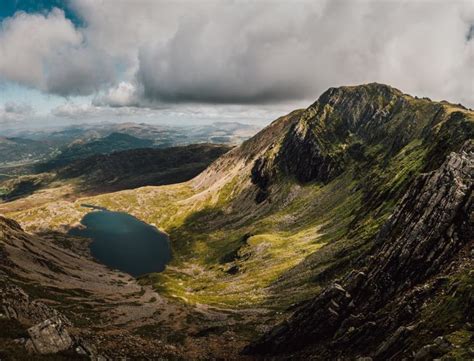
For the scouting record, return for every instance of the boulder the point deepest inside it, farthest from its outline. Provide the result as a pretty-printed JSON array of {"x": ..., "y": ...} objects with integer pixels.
[{"x": 49, "y": 336}]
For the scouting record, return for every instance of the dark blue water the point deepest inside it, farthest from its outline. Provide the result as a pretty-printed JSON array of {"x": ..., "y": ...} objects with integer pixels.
[{"x": 123, "y": 242}]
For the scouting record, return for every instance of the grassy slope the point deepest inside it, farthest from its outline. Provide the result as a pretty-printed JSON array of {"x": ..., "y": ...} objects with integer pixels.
[{"x": 230, "y": 252}]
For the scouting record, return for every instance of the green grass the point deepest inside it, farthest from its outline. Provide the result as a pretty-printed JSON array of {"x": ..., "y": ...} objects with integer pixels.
[{"x": 452, "y": 306}]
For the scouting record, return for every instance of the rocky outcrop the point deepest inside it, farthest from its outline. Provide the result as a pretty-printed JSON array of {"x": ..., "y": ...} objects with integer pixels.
[
  {"x": 261, "y": 176},
  {"x": 49, "y": 336},
  {"x": 47, "y": 329},
  {"x": 16, "y": 304},
  {"x": 305, "y": 157},
  {"x": 374, "y": 309}
]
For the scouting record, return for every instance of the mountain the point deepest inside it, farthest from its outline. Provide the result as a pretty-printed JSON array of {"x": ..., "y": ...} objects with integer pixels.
[
  {"x": 103, "y": 173},
  {"x": 80, "y": 150},
  {"x": 141, "y": 167},
  {"x": 22, "y": 186},
  {"x": 223, "y": 132},
  {"x": 63, "y": 135},
  {"x": 26, "y": 152},
  {"x": 19, "y": 149},
  {"x": 343, "y": 230},
  {"x": 162, "y": 135}
]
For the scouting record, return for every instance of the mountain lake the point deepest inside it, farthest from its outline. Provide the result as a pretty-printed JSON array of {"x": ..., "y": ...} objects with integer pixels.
[{"x": 123, "y": 242}]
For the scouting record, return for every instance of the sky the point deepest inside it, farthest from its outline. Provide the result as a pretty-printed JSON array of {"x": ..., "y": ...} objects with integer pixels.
[{"x": 198, "y": 61}]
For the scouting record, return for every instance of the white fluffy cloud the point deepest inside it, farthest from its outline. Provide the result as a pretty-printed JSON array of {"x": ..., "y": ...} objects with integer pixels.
[
  {"x": 124, "y": 95},
  {"x": 28, "y": 41},
  {"x": 134, "y": 53},
  {"x": 47, "y": 52}
]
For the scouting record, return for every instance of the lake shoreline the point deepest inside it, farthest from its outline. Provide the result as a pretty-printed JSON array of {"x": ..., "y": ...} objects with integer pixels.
[{"x": 123, "y": 242}]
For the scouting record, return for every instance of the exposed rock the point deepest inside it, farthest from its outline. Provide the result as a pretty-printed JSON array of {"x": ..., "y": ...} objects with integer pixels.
[
  {"x": 16, "y": 304},
  {"x": 82, "y": 347},
  {"x": 438, "y": 348},
  {"x": 429, "y": 226},
  {"x": 471, "y": 351},
  {"x": 49, "y": 336},
  {"x": 49, "y": 333},
  {"x": 233, "y": 270},
  {"x": 391, "y": 345},
  {"x": 303, "y": 155},
  {"x": 261, "y": 175}
]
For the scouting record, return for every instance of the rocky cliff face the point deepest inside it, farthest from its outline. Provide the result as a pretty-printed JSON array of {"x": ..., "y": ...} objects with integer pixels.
[
  {"x": 350, "y": 125},
  {"x": 377, "y": 310}
]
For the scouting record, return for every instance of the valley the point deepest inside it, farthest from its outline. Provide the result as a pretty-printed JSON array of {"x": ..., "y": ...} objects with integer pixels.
[{"x": 343, "y": 230}]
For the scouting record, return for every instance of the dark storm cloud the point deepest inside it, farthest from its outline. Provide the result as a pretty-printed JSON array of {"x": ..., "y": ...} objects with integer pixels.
[{"x": 79, "y": 71}]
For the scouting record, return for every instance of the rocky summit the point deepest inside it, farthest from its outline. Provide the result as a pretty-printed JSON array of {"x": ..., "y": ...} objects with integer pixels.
[{"x": 343, "y": 231}]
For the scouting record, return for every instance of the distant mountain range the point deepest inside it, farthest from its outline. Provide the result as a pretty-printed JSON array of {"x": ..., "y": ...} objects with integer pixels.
[{"x": 22, "y": 151}]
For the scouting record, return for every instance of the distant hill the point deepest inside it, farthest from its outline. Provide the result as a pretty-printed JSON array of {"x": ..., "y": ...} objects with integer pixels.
[
  {"x": 125, "y": 169},
  {"x": 139, "y": 167},
  {"x": 18, "y": 149},
  {"x": 83, "y": 149}
]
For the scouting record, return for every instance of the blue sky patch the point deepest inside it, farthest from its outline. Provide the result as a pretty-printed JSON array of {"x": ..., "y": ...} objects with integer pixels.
[{"x": 9, "y": 7}]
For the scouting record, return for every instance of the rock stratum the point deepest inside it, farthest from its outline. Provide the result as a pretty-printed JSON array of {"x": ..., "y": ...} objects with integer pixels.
[{"x": 340, "y": 231}]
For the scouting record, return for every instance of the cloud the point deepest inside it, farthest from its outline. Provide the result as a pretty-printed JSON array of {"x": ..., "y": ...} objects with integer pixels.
[
  {"x": 18, "y": 108},
  {"x": 125, "y": 94},
  {"x": 74, "y": 111},
  {"x": 172, "y": 114},
  {"x": 257, "y": 52},
  {"x": 12, "y": 112},
  {"x": 79, "y": 71},
  {"x": 248, "y": 53},
  {"x": 150, "y": 52},
  {"x": 80, "y": 111},
  {"x": 47, "y": 52}
]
